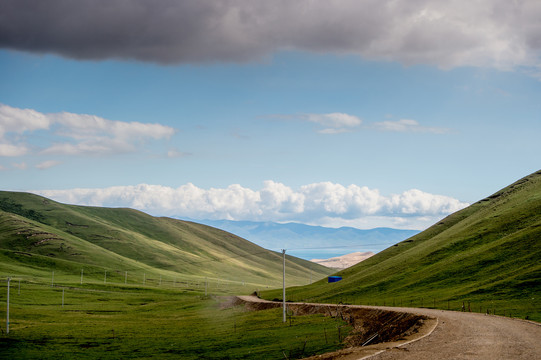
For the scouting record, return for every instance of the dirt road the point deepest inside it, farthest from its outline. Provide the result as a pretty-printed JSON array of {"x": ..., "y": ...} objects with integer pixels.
[
  {"x": 461, "y": 335},
  {"x": 453, "y": 335}
]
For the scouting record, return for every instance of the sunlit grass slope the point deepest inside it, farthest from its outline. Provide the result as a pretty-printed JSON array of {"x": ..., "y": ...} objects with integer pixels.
[
  {"x": 38, "y": 236},
  {"x": 486, "y": 256}
]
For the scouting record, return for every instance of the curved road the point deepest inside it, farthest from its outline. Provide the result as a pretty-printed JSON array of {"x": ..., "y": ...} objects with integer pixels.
[
  {"x": 455, "y": 335},
  {"x": 461, "y": 335}
]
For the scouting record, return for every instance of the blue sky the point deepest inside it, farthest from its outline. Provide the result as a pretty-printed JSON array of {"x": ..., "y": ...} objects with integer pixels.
[{"x": 264, "y": 120}]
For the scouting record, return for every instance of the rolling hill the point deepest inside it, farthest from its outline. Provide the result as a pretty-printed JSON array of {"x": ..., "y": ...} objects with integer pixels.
[
  {"x": 486, "y": 256},
  {"x": 38, "y": 235}
]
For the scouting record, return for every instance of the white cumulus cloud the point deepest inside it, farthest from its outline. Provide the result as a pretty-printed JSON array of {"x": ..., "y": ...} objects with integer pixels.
[
  {"x": 324, "y": 203},
  {"x": 75, "y": 134},
  {"x": 417, "y": 202},
  {"x": 21, "y": 120}
]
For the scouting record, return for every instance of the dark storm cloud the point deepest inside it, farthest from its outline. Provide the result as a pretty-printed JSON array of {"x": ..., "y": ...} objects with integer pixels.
[{"x": 493, "y": 33}]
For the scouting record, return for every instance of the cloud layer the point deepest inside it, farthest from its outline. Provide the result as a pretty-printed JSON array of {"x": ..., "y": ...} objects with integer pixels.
[
  {"x": 496, "y": 33},
  {"x": 72, "y": 134},
  {"x": 408, "y": 125},
  {"x": 334, "y": 123},
  {"x": 337, "y": 123},
  {"x": 322, "y": 203}
]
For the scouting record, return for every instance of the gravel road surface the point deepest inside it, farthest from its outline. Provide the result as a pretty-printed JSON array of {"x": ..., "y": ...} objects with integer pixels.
[
  {"x": 452, "y": 335},
  {"x": 463, "y": 335}
]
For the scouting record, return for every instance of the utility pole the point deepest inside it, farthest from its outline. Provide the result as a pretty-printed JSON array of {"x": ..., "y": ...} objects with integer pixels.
[
  {"x": 7, "y": 310},
  {"x": 284, "y": 286}
]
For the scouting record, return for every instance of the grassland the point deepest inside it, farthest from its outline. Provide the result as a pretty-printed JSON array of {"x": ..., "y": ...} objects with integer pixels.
[
  {"x": 147, "y": 282},
  {"x": 103, "y": 321},
  {"x": 484, "y": 258},
  {"x": 89, "y": 282}
]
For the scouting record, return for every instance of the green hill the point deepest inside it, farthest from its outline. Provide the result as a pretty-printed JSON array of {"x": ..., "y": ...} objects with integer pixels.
[
  {"x": 486, "y": 256},
  {"x": 38, "y": 236}
]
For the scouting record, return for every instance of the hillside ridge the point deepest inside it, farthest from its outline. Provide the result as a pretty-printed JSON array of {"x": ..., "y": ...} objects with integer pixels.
[
  {"x": 487, "y": 254},
  {"x": 71, "y": 236}
]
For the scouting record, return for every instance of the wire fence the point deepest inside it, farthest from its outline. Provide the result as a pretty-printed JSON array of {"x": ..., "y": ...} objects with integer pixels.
[
  {"x": 523, "y": 308},
  {"x": 66, "y": 297},
  {"x": 64, "y": 293},
  {"x": 91, "y": 277}
]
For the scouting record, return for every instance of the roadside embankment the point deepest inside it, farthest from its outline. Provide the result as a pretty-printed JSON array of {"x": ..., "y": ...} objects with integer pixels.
[
  {"x": 370, "y": 326},
  {"x": 437, "y": 334}
]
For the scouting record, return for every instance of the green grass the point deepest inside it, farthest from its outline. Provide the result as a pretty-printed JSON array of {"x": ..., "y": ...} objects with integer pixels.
[
  {"x": 38, "y": 234},
  {"x": 149, "y": 288},
  {"x": 112, "y": 322},
  {"x": 486, "y": 257}
]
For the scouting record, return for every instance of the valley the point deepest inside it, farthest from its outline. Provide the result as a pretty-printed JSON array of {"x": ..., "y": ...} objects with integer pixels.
[{"x": 109, "y": 282}]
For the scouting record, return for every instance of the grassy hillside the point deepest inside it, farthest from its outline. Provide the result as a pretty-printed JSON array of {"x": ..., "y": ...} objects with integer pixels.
[
  {"x": 118, "y": 283},
  {"x": 38, "y": 236},
  {"x": 487, "y": 257}
]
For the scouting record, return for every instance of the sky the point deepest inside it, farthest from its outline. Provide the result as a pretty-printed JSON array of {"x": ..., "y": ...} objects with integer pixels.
[{"x": 364, "y": 113}]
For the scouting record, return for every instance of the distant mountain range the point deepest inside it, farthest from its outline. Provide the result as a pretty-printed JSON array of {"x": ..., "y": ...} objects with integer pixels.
[{"x": 309, "y": 242}]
